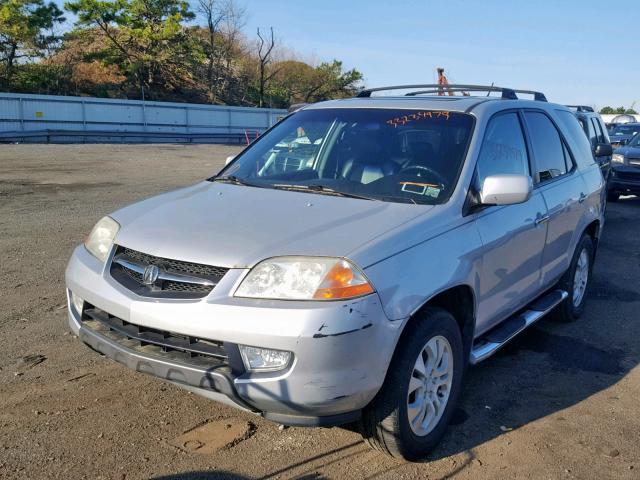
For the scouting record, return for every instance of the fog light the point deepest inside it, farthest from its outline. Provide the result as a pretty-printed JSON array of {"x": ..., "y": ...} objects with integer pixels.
[
  {"x": 77, "y": 303},
  {"x": 263, "y": 359}
]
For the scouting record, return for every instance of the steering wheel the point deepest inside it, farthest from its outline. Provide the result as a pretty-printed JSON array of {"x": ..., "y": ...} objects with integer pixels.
[{"x": 430, "y": 171}]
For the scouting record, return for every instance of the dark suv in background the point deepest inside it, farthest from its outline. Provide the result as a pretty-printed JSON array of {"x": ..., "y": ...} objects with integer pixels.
[
  {"x": 623, "y": 133},
  {"x": 625, "y": 170},
  {"x": 596, "y": 131}
]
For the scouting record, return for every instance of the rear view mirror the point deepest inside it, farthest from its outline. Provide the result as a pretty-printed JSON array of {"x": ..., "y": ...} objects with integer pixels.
[
  {"x": 506, "y": 189},
  {"x": 229, "y": 159},
  {"x": 603, "y": 150}
]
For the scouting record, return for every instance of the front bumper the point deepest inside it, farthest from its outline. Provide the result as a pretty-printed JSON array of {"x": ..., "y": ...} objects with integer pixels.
[
  {"x": 341, "y": 350},
  {"x": 625, "y": 179}
]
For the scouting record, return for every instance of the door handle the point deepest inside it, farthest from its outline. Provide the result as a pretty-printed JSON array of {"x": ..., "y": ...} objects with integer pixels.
[
  {"x": 540, "y": 219},
  {"x": 582, "y": 198}
]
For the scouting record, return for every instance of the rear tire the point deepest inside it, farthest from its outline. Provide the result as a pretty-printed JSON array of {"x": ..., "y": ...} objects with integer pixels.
[
  {"x": 410, "y": 413},
  {"x": 576, "y": 282}
]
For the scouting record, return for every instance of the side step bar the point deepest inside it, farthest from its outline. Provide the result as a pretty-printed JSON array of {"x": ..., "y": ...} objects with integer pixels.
[{"x": 497, "y": 337}]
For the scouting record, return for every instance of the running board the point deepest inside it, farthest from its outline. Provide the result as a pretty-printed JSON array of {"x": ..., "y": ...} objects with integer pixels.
[{"x": 497, "y": 337}]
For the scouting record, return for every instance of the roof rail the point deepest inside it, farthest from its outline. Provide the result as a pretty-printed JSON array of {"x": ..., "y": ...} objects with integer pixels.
[
  {"x": 434, "y": 88},
  {"x": 581, "y": 108},
  {"x": 296, "y": 106}
]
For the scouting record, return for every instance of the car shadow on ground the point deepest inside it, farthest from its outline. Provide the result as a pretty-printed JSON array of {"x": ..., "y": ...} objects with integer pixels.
[{"x": 221, "y": 475}]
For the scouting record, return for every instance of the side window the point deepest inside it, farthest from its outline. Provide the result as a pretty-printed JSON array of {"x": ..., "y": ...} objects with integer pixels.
[
  {"x": 576, "y": 138},
  {"x": 603, "y": 127},
  {"x": 593, "y": 133},
  {"x": 547, "y": 146},
  {"x": 503, "y": 149},
  {"x": 568, "y": 163},
  {"x": 584, "y": 125},
  {"x": 599, "y": 134}
]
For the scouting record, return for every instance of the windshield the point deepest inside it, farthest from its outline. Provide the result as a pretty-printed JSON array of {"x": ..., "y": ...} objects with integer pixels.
[
  {"x": 626, "y": 130},
  {"x": 635, "y": 141},
  {"x": 411, "y": 156}
]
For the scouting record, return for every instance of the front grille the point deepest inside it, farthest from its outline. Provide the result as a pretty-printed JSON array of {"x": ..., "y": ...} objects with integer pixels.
[
  {"x": 634, "y": 162},
  {"x": 178, "y": 266},
  {"x": 632, "y": 177},
  {"x": 185, "y": 349},
  {"x": 173, "y": 279}
]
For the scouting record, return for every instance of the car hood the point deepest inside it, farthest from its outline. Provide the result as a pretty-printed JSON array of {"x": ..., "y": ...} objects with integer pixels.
[
  {"x": 235, "y": 226},
  {"x": 617, "y": 138},
  {"x": 630, "y": 152}
]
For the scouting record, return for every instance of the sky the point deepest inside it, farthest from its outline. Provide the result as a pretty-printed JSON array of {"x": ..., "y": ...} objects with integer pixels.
[{"x": 575, "y": 51}]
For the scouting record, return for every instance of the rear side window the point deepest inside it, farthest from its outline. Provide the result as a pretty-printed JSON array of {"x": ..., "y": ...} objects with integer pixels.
[
  {"x": 577, "y": 140},
  {"x": 547, "y": 146},
  {"x": 593, "y": 132},
  {"x": 598, "y": 129},
  {"x": 603, "y": 127},
  {"x": 503, "y": 149}
]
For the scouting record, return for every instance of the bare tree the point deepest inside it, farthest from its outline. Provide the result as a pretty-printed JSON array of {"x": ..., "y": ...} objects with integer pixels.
[
  {"x": 231, "y": 49},
  {"x": 214, "y": 15},
  {"x": 265, "y": 48},
  {"x": 224, "y": 20}
]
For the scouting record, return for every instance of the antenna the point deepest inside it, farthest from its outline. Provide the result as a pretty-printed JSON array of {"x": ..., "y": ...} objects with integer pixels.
[{"x": 489, "y": 92}]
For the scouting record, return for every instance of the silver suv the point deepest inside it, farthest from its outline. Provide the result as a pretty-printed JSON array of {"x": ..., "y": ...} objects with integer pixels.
[{"x": 349, "y": 264}]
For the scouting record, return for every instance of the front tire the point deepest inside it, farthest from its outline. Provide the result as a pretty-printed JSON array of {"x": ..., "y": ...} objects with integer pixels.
[
  {"x": 410, "y": 413},
  {"x": 576, "y": 281}
]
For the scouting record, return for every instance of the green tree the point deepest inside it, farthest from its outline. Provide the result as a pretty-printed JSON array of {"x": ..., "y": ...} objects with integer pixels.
[
  {"x": 26, "y": 31},
  {"x": 332, "y": 82},
  {"x": 619, "y": 110},
  {"x": 146, "y": 39},
  {"x": 299, "y": 82}
]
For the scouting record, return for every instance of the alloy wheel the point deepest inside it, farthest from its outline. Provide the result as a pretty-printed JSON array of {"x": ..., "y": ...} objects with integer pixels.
[
  {"x": 580, "y": 277},
  {"x": 430, "y": 385}
]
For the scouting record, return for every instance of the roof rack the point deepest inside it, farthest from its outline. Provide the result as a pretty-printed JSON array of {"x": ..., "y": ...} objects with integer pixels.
[
  {"x": 434, "y": 88},
  {"x": 581, "y": 108}
]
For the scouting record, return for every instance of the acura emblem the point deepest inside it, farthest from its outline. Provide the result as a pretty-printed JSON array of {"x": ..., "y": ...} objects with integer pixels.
[{"x": 150, "y": 276}]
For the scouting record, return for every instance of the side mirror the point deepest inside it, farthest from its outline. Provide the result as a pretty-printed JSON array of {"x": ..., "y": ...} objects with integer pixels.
[
  {"x": 603, "y": 150},
  {"x": 506, "y": 189},
  {"x": 229, "y": 159}
]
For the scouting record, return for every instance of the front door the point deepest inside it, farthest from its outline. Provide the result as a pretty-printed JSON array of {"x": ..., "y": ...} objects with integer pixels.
[{"x": 513, "y": 236}]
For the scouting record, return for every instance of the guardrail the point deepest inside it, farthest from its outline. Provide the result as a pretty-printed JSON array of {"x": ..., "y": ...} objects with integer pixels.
[
  {"x": 37, "y": 118},
  {"x": 108, "y": 136}
]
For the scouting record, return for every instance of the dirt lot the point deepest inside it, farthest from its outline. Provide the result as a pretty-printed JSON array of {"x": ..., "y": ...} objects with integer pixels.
[{"x": 560, "y": 402}]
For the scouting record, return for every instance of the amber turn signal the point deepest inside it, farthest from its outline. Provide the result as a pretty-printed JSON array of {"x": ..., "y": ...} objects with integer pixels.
[{"x": 342, "y": 281}]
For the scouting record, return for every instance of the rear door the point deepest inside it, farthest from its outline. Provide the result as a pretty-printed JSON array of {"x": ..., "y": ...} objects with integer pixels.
[
  {"x": 562, "y": 188},
  {"x": 513, "y": 240}
]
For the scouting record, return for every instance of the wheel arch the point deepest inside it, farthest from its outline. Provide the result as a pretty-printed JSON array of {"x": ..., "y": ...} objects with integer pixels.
[
  {"x": 459, "y": 301},
  {"x": 593, "y": 230}
]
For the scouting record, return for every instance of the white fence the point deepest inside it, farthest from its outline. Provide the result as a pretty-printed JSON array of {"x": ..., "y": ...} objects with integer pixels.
[{"x": 94, "y": 118}]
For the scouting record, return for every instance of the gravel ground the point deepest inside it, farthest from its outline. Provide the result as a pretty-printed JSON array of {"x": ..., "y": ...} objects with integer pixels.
[{"x": 560, "y": 402}]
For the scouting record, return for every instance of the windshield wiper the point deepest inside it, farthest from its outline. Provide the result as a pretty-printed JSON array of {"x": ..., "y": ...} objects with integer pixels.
[
  {"x": 234, "y": 180},
  {"x": 320, "y": 189}
]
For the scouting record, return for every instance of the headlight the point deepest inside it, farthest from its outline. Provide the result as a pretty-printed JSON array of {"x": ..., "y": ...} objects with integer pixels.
[
  {"x": 304, "y": 278},
  {"x": 99, "y": 241},
  {"x": 617, "y": 158}
]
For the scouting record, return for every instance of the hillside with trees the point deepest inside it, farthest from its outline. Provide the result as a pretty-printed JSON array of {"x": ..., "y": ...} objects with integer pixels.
[{"x": 160, "y": 49}]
